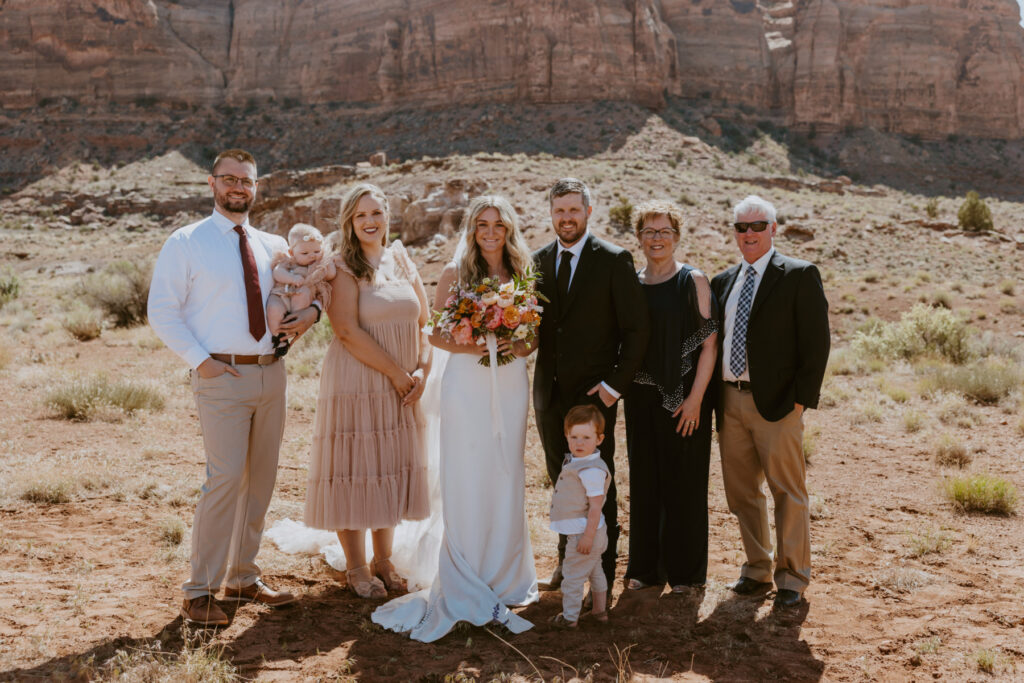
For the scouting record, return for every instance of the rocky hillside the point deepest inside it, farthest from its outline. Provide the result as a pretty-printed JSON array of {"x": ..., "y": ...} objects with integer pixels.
[{"x": 929, "y": 68}]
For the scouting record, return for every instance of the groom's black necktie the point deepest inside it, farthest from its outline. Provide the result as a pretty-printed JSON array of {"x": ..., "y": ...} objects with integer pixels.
[{"x": 564, "y": 275}]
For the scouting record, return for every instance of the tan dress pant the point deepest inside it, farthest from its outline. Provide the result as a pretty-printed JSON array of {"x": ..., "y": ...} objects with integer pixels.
[
  {"x": 754, "y": 450},
  {"x": 242, "y": 419},
  {"x": 578, "y": 568}
]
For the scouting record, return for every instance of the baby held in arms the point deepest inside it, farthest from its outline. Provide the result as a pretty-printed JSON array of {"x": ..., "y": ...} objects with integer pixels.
[{"x": 302, "y": 275}]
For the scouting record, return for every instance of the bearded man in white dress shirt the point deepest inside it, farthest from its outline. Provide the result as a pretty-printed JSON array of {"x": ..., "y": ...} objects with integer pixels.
[{"x": 207, "y": 302}]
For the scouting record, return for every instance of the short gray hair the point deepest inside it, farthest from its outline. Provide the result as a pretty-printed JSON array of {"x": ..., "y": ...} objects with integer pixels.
[
  {"x": 755, "y": 205},
  {"x": 570, "y": 186}
]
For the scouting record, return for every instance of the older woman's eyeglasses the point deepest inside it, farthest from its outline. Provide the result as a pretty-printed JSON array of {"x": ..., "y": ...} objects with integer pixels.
[
  {"x": 756, "y": 226},
  {"x": 651, "y": 233},
  {"x": 232, "y": 180}
]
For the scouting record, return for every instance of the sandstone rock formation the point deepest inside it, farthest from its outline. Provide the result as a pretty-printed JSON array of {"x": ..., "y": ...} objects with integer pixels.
[{"x": 925, "y": 67}]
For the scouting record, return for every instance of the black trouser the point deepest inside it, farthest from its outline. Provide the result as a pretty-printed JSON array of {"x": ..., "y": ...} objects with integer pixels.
[
  {"x": 552, "y": 436},
  {"x": 668, "y": 485}
]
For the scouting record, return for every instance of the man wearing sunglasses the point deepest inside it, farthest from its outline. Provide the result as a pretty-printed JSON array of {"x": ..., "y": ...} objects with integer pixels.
[
  {"x": 207, "y": 302},
  {"x": 773, "y": 351}
]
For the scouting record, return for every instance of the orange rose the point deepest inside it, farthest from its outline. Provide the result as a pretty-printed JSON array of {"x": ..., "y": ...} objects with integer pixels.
[{"x": 510, "y": 317}]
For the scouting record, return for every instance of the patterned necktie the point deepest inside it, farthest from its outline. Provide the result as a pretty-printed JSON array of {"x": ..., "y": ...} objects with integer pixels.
[
  {"x": 253, "y": 294},
  {"x": 738, "y": 350},
  {"x": 564, "y": 275}
]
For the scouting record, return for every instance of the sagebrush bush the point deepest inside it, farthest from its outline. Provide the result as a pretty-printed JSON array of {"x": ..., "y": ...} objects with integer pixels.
[
  {"x": 80, "y": 399},
  {"x": 121, "y": 291},
  {"x": 921, "y": 331},
  {"x": 981, "y": 493},
  {"x": 10, "y": 288},
  {"x": 83, "y": 323},
  {"x": 932, "y": 208},
  {"x": 988, "y": 380},
  {"x": 974, "y": 214}
]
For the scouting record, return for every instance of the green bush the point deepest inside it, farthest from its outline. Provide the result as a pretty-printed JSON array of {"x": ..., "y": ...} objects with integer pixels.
[
  {"x": 10, "y": 288},
  {"x": 621, "y": 214},
  {"x": 121, "y": 291},
  {"x": 988, "y": 380},
  {"x": 981, "y": 493},
  {"x": 921, "y": 331},
  {"x": 974, "y": 214},
  {"x": 932, "y": 208},
  {"x": 80, "y": 399}
]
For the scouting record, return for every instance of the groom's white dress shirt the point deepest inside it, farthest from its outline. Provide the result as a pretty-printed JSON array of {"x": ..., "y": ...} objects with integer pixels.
[{"x": 197, "y": 303}]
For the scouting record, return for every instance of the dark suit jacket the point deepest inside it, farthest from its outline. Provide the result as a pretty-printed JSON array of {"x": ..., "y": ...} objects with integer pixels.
[
  {"x": 787, "y": 336},
  {"x": 600, "y": 332}
]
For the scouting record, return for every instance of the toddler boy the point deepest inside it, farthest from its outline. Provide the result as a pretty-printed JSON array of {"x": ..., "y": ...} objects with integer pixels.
[{"x": 576, "y": 513}]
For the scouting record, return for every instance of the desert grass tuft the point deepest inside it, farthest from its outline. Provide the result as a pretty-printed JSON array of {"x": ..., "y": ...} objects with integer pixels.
[
  {"x": 1008, "y": 287},
  {"x": 981, "y": 493},
  {"x": 902, "y": 579},
  {"x": 196, "y": 662},
  {"x": 10, "y": 287},
  {"x": 810, "y": 442},
  {"x": 49, "y": 491},
  {"x": 171, "y": 531},
  {"x": 913, "y": 420},
  {"x": 988, "y": 380},
  {"x": 951, "y": 452},
  {"x": 988, "y": 661},
  {"x": 83, "y": 323},
  {"x": 60, "y": 485},
  {"x": 928, "y": 646},
  {"x": 928, "y": 542},
  {"x": 81, "y": 398}
]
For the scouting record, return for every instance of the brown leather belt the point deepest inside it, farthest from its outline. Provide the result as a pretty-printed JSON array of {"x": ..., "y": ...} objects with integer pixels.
[
  {"x": 233, "y": 359},
  {"x": 738, "y": 384}
]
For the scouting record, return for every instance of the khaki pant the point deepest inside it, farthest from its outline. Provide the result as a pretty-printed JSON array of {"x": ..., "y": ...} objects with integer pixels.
[
  {"x": 754, "y": 450},
  {"x": 578, "y": 568},
  {"x": 242, "y": 419}
]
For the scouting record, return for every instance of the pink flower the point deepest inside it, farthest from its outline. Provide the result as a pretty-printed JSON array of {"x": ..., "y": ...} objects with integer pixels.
[
  {"x": 463, "y": 332},
  {"x": 450, "y": 302},
  {"x": 493, "y": 318}
]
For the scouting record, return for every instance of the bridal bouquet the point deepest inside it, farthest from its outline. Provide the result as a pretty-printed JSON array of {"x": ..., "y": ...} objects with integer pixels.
[{"x": 507, "y": 311}]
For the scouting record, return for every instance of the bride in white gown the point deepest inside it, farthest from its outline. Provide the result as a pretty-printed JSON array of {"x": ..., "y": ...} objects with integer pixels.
[{"x": 485, "y": 564}]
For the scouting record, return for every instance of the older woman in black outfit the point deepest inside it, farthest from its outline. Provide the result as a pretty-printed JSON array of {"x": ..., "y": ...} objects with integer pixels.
[{"x": 668, "y": 416}]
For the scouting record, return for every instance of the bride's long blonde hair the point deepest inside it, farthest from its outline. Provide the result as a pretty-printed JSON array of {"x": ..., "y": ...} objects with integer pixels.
[{"x": 516, "y": 255}]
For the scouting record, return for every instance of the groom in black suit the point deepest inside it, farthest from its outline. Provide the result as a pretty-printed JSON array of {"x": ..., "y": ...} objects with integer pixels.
[
  {"x": 592, "y": 339},
  {"x": 774, "y": 347}
]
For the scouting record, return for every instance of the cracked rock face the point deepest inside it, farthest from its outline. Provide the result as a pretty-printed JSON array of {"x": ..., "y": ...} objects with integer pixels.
[{"x": 930, "y": 68}]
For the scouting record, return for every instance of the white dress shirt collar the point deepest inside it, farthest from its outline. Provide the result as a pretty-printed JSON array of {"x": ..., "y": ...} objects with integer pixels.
[
  {"x": 225, "y": 224},
  {"x": 576, "y": 249},
  {"x": 760, "y": 265}
]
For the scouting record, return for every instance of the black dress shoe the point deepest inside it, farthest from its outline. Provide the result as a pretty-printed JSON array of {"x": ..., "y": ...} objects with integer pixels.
[
  {"x": 787, "y": 598},
  {"x": 747, "y": 586},
  {"x": 554, "y": 583}
]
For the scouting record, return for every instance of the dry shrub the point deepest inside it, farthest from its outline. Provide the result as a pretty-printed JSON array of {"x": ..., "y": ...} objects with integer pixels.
[
  {"x": 60, "y": 485},
  {"x": 1008, "y": 287},
  {"x": 10, "y": 288},
  {"x": 988, "y": 380},
  {"x": 121, "y": 290},
  {"x": 810, "y": 442},
  {"x": 922, "y": 331},
  {"x": 171, "y": 531},
  {"x": 83, "y": 323},
  {"x": 82, "y": 399},
  {"x": 49, "y": 491},
  {"x": 950, "y": 452},
  {"x": 902, "y": 579},
  {"x": 929, "y": 542},
  {"x": 974, "y": 214},
  {"x": 981, "y": 493},
  {"x": 195, "y": 663},
  {"x": 621, "y": 214}
]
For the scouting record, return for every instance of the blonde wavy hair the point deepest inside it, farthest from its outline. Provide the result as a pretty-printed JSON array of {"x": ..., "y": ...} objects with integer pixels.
[
  {"x": 656, "y": 207},
  {"x": 516, "y": 255},
  {"x": 349, "y": 249}
]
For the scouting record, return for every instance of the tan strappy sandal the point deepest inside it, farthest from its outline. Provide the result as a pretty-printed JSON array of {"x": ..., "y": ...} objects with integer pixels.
[
  {"x": 364, "y": 584},
  {"x": 393, "y": 581}
]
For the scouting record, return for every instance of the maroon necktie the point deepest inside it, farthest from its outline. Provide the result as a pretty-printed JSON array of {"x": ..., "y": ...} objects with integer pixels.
[{"x": 253, "y": 295}]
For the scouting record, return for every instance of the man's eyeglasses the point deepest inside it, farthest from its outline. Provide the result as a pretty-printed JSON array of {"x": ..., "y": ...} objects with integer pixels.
[
  {"x": 232, "y": 180},
  {"x": 651, "y": 233},
  {"x": 756, "y": 226}
]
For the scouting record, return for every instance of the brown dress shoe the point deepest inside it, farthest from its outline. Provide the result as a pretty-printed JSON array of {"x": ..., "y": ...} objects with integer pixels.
[
  {"x": 261, "y": 593},
  {"x": 203, "y": 611}
]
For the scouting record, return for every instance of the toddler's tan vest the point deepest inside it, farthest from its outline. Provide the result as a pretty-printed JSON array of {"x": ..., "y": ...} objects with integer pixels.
[{"x": 569, "y": 500}]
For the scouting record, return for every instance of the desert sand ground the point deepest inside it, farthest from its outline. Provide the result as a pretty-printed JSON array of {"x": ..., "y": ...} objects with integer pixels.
[{"x": 94, "y": 514}]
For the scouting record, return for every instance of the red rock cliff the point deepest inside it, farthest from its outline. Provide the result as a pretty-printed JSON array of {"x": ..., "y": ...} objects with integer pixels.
[{"x": 930, "y": 68}]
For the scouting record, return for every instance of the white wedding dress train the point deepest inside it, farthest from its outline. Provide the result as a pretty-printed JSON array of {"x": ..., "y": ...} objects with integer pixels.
[{"x": 485, "y": 563}]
